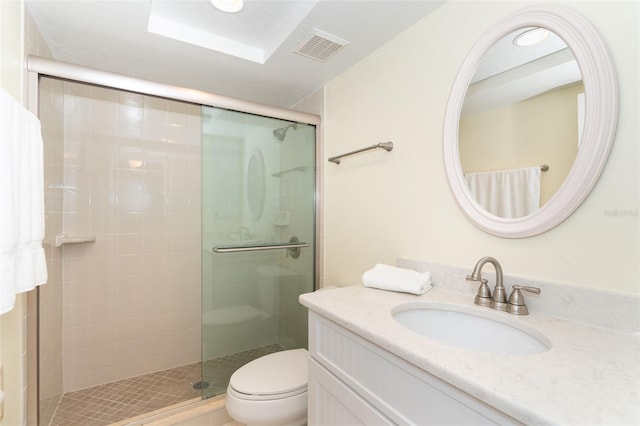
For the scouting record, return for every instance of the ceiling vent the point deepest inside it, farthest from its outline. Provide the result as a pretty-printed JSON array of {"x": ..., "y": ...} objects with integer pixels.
[{"x": 320, "y": 46}]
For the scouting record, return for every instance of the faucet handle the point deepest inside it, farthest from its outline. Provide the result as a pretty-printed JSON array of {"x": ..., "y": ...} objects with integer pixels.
[
  {"x": 516, "y": 304},
  {"x": 528, "y": 288},
  {"x": 483, "y": 297}
]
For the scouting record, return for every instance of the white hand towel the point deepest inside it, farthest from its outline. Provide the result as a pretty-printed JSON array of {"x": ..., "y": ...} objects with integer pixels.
[
  {"x": 391, "y": 278},
  {"x": 22, "y": 261}
]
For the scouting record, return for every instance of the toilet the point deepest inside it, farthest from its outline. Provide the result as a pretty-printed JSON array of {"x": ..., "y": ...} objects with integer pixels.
[{"x": 270, "y": 390}]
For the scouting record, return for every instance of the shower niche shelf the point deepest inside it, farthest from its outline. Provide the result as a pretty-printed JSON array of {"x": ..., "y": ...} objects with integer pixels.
[{"x": 283, "y": 219}]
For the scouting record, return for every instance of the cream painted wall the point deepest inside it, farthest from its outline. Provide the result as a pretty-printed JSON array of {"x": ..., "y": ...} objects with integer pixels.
[
  {"x": 381, "y": 206},
  {"x": 11, "y": 47},
  {"x": 18, "y": 35},
  {"x": 13, "y": 324}
]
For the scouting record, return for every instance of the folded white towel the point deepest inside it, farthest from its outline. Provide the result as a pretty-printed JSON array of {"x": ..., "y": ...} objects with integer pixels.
[
  {"x": 22, "y": 260},
  {"x": 391, "y": 278}
]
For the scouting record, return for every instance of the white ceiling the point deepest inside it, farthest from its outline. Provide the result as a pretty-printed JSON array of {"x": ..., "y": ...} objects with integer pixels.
[
  {"x": 508, "y": 74},
  {"x": 247, "y": 55}
]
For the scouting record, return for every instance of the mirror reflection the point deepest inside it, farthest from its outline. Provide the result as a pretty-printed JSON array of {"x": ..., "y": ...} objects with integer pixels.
[
  {"x": 256, "y": 184},
  {"x": 523, "y": 110}
]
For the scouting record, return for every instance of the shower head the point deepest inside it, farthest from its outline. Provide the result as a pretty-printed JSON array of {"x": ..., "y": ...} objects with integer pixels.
[{"x": 281, "y": 132}]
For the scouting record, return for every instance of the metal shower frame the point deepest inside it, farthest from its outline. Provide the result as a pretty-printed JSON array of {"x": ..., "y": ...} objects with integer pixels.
[{"x": 37, "y": 66}]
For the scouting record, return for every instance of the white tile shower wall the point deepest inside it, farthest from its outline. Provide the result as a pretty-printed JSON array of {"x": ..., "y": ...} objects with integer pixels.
[{"x": 132, "y": 179}]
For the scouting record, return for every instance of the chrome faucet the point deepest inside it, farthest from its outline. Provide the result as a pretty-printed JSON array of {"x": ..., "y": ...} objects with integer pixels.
[{"x": 498, "y": 301}]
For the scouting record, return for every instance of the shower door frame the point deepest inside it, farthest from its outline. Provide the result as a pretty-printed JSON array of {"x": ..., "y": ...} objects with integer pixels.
[{"x": 38, "y": 66}]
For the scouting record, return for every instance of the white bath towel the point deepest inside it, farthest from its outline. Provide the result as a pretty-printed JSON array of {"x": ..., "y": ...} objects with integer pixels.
[
  {"x": 22, "y": 260},
  {"x": 391, "y": 278}
]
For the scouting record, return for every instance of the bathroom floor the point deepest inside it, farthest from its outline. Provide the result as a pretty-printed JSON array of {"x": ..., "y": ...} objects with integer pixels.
[{"x": 123, "y": 399}]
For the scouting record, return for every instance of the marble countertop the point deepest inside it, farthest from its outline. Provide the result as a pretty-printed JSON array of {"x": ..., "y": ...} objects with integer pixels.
[{"x": 589, "y": 375}]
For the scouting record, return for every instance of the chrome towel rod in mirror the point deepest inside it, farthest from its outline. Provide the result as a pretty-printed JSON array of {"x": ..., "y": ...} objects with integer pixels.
[{"x": 387, "y": 146}]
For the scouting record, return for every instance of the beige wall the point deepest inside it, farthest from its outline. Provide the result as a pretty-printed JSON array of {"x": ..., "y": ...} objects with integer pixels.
[
  {"x": 18, "y": 36},
  {"x": 381, "y": 206},
  {"x": 13, "y": 324},
  {"x": 12, "y": 47}
]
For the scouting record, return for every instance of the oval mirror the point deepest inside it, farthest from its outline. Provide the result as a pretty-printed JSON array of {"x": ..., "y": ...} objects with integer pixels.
[
  {"x": 528, "y": 129},
  {"x": 256, "y": 185},
  {"x": 522, "y": 113}
]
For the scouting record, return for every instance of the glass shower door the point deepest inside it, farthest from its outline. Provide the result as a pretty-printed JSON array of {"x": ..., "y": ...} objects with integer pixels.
[{"x": 258, "y": 247}]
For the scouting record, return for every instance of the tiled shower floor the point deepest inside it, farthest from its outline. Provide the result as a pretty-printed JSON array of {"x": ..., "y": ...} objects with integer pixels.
[{"x": 117, "y": 401}]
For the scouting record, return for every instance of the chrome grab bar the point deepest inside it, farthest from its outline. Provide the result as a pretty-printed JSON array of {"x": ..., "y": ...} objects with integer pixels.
[
  {"x": 294, "y": 245},
  {"x": 271, "y": 246}
]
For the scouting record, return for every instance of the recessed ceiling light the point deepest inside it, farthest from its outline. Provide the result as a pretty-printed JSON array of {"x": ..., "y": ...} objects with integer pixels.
[
  {"x": 531, "y": 37},
  {"x": 229, "y": 6}
]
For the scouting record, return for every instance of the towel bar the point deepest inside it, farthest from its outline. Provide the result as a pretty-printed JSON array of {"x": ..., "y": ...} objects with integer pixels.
[{"x": 387, "y": 146}]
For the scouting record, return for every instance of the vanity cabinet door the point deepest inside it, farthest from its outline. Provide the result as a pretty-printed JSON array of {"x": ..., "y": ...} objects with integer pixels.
[{"x": 333, "y": 403}]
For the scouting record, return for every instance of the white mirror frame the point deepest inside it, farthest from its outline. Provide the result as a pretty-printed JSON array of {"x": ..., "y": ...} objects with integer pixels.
[{"x": 601, "y": 116}]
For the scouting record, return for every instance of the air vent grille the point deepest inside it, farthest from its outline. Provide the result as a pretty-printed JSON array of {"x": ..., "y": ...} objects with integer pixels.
[{"x": 320, "y": 46}]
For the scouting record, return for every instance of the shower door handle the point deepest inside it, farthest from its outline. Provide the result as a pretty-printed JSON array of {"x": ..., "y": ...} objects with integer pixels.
[
  {"x": 294, "y": 245},
  {"x": 274, "y": 246}
]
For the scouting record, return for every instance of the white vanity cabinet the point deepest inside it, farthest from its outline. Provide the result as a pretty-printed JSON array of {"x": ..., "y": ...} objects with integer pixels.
[{"x": 352, "y": 381}]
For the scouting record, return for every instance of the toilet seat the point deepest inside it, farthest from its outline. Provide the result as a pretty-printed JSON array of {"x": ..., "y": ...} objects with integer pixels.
[
  {"x": 275, "y": 376},
  {"x": 273, "y": 397}
]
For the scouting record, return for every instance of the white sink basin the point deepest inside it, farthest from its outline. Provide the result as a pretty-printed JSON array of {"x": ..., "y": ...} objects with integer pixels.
[{"x": 470, "y": 331}]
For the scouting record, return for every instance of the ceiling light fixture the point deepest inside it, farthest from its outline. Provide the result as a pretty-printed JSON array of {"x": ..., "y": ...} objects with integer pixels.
[
  {"x": 229, "y": 6},
  {"x": 531, "y": 37}
]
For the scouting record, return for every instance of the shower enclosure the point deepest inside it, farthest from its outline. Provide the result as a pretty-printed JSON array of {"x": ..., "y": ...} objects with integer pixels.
[
  {"x": 258, "y": 186},
  {"x": 179, "y": 233}
]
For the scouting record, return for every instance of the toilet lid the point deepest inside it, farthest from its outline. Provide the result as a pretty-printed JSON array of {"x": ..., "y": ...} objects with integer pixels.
[{"x": 273, "y": 374}]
